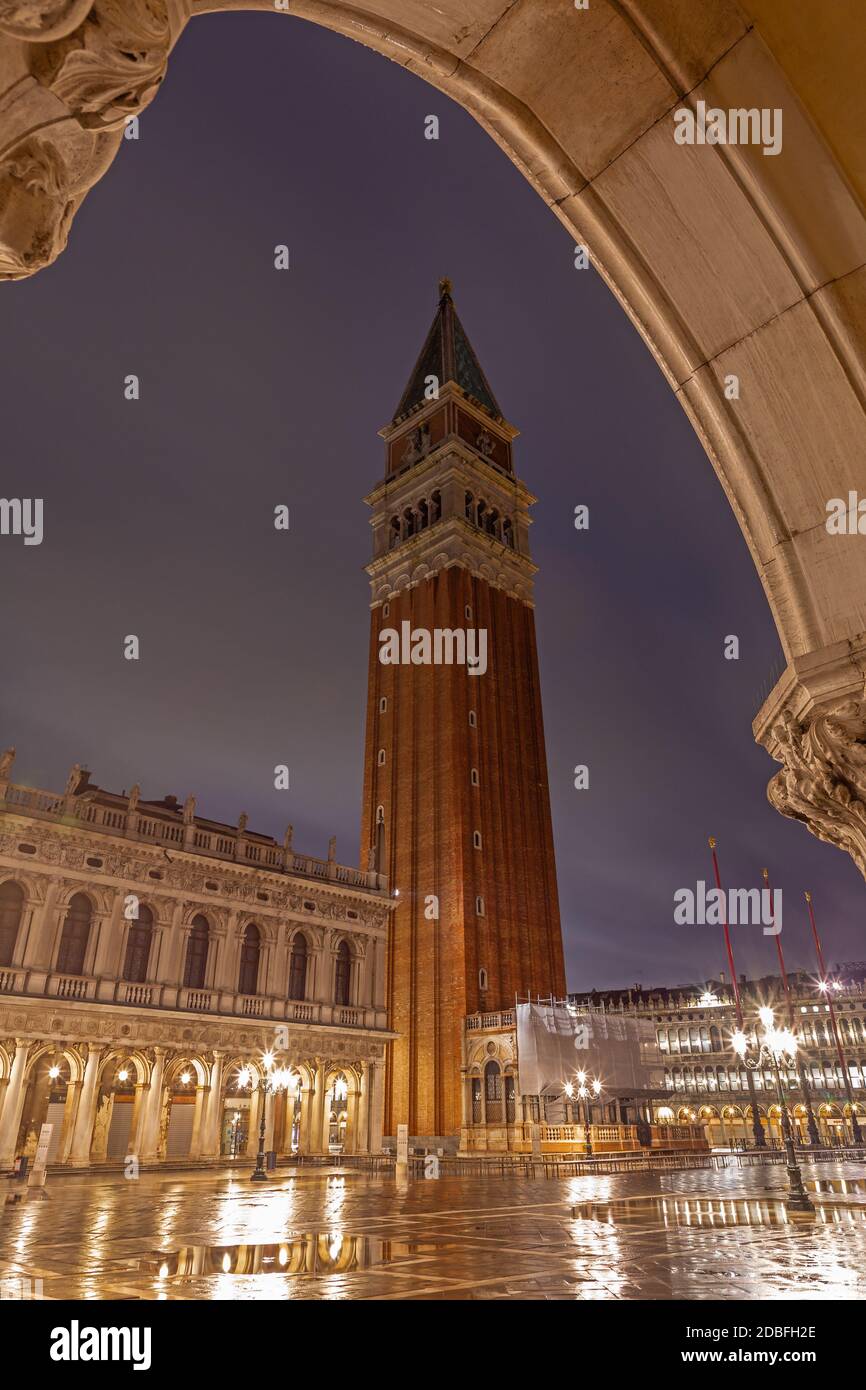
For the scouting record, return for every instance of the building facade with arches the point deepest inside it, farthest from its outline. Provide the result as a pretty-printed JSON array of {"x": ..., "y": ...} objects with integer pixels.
[
  {"x": 699, "y": 1079},
  {"x": 150, "y": 960}
]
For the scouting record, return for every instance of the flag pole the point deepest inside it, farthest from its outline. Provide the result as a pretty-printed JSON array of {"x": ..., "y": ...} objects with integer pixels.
[
  {"x": 814, "y": 1136},
  {"x": 757, "y": 1128},
  {"x": 856, "y": 1135}
]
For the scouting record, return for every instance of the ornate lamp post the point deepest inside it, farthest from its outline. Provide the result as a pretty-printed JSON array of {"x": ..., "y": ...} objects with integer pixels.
[
  {"x": 273, "y": 1080},
  {"x": 775, "y": 1044},
  {"x": 814, "y": 1136},
  {"x": 585, "y": 1093}
]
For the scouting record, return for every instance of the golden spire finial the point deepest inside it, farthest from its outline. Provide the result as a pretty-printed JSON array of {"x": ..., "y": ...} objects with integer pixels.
[
  {"x": 712, "y": 842},
  {"x": 445, "y": 286}
]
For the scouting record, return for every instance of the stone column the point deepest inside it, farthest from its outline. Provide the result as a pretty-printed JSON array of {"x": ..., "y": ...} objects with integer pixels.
[
  {"x": 34, "y": 945},
  {"x": 363, "y": 1137},
  {"x": 317, "y": 1113},
  {"x": 70, "y": 1111},
  {"x": 13, "y": 1103},
  {"x": 255, "y": 1121},
  {"x": 149, "y": 1141},
  {"x": 139, "y": 1104},
  {"x": 270, "y": 1110},
  {"x": 377, "y": 1106},
  {"x": 171, "y": 964},
  {"x": 107, "y": 962},
  {"x": 82, "y": 1132},
  {"x": 353, "y": 1111},
  {"x": 304, "y": 1141},
  {"x": 211, "y": 1145},
  {"x": 201, "y": 1102}
]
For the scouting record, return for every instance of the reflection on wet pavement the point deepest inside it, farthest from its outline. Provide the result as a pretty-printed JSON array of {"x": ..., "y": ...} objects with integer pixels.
[{"x": 344, "y": 1235}]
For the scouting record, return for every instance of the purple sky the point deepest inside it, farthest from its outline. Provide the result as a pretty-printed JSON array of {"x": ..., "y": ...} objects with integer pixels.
[{"x": 261, "y": 387}]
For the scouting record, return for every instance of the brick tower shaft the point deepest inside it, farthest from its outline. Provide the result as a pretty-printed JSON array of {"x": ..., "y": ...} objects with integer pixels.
[{"x": 456, "y": 803}]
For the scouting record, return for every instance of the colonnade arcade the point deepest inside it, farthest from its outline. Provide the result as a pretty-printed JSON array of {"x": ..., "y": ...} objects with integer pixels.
[
  {"x": 106, "y": 1104},
  {"x": 731, "y": 1124}
]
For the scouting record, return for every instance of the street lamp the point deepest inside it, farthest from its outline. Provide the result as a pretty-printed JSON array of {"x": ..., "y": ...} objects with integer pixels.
[
  {"x": 585, "y": 1093},
  {"x": 775, "y": 1044},
  {"x": 273, "y": 1079}
]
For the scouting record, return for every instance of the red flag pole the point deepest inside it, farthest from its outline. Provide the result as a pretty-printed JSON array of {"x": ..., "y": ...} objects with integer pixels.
[
  {"x": 814, "y": 1136},
  {"x": 757, "y": 1128},
  {"x": 856, "y": 1136}
]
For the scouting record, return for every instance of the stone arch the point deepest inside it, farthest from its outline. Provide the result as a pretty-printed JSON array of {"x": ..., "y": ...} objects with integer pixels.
[
  {"x": 49, "y": 1100},
  {"x": 343, "y": 1084},
  {"x": 121, "y": 1084},
  {"x": 584, "y": 102}
]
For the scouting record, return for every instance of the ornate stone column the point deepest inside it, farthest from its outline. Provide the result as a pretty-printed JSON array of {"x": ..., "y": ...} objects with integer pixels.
[
  {"x": 211, "y": 1143},
  {"x": 13, "y": 1103},
  {"x": 304, "y": 1139},
  {"x": 69, "y": 1113},
  {"x": 317, "y": 1111},
  {"x": 106, "y": 965},
  {"x": 377, "y": 1106},
  {"x": 35, "y": 945},
  {"x": 202, "y": 1094},
  {"x": 149, "y": 1142},
  {"x": 814, "y": 724},
  {"x": 82, "y": 1132},
  {"x": 363, "y": 1136},
  {"x": 353, "y": 1111}
]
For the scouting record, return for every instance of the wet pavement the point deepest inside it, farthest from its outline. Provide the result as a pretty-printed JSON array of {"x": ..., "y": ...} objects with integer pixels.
[{"x": 341, "y": 1234}]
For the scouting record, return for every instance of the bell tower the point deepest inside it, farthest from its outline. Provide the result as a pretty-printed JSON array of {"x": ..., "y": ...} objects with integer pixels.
[{"x": 456, "y": 804}]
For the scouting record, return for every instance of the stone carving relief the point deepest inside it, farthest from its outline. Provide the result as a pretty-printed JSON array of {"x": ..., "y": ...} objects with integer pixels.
[
  {"x": 72, "y": 72},
  {"x": 823, "y": 777}
]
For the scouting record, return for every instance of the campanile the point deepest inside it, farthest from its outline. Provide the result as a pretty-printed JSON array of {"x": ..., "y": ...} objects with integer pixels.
[{"x": 456, "y": 804}]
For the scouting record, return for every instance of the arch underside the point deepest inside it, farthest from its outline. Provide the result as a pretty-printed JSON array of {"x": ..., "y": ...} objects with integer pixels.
[{"x": 744, "y": 272}]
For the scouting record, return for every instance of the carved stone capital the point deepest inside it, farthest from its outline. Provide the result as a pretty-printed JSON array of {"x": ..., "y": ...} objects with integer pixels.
[
  {"x": 813, "y": 722},
  {"x": 72, "y": 72},
  {"x": 823, "y": 778}
]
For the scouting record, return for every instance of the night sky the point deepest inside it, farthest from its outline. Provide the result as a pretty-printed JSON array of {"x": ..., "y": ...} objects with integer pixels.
[{"x": 261, "y": 387}]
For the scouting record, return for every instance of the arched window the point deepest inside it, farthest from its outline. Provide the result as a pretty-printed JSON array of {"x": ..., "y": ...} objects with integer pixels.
[
  {"x": 248, "y": 976},
  {"x": 341, "y": 977},
  {"x": 435, "y": 507},
  {"x": 75, "y": 935},
  {"x": 298, "y": 968},
  {"x": 11, "y": 909},
  {"x": 507, "y": 532},
  {"x": 394, "y": 532},
  {"x": 138, "y": 947},
  {"x": 197, "y": 944},
  {"x": 493, "y": 1092},
  {"x": 470, "y": 507},
  {"x": 380, "y": 839},
  {"x": 715, "y": 1040}
]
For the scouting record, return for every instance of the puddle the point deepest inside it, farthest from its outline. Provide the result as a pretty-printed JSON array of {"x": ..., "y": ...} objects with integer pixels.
[
  {"x": 698, "y": 1212},
  {"x": 844, "y": 1186},
  {"x": 319, "y": 1252}
]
